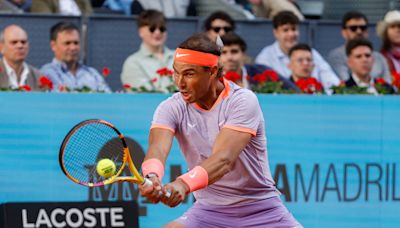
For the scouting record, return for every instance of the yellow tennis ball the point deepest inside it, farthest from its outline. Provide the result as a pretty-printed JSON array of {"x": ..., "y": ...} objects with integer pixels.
[{"x": 105, "y": 167}]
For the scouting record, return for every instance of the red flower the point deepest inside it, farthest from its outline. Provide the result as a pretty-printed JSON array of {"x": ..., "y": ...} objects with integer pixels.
[
  {"x": 106, "y": 71},
  {"x": 271, "y": 75},
  {"x": 232, "y": 76},
  {"x": 25, "y": 88},
  {"x": 45, "y": 83},
  {"x": 61, "y": 88},
  {"x": 396, "y": 79},
  {"x": 127, "y": 86},
  {"x": 165, "y": 72},
  {"x": 380, "y": 81},
  {"x": 153, "y": 80},
  {"x": 342, "y": 83},
  {"x": 309, "y": 85}
]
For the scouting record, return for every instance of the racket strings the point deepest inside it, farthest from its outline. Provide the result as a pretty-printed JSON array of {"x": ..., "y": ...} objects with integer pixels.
[{"x": 89, "y": 144}]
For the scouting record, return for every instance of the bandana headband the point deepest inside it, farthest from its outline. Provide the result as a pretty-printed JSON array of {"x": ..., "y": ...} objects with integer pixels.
[{"x": 195, "y": 57}]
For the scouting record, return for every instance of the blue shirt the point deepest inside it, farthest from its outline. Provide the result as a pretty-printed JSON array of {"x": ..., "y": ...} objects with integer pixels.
[
  {"x": 273, "y": 56},
  {"x": 85, "y": 76}
]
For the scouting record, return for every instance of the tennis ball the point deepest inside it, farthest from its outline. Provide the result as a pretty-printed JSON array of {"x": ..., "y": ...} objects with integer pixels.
[{"x": 105, "y": 167}]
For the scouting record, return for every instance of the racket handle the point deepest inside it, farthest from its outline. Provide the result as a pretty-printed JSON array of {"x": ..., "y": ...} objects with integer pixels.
[{"x": 148, "y": 183}]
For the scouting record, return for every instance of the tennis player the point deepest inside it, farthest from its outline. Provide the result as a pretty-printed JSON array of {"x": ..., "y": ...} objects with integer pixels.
[{"x": 220, "y": 130}]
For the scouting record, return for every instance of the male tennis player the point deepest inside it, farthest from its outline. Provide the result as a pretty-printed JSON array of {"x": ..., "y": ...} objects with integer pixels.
[{"x": 220, "y": 130}]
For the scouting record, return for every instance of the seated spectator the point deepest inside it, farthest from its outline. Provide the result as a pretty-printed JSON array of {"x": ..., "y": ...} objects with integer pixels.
[
  {"x": 217, "y": 24},
  {"x": 286, "y": 32},
  {"x": 360, "y": 61},
  {"x": 389, "y": 31},
  {"x": 170, "y": 8},
  {"x": 140, "y": 68},
  {"x": 233, "y": 56},
  {"x": 65, "y": 70},
  {"x": 64, "y": 7},
  {"x": 301, "y": 64},
  {"x": 355, "y": 25},
  {"x": 270, "y": 8},
  {"x": 14, "y": 71}
]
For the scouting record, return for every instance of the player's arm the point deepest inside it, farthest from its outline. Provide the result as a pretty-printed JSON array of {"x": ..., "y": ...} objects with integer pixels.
[
  {"x": 160, "y": 142},
  {"x": 227, "y": 148}
]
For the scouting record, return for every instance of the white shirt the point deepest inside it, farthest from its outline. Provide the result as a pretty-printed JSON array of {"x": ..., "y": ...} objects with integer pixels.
[
  {"x": 12, "y": 75},
  {"x": 370, "y": 85},
  {"x": 274, "y": 57},
  {"x": 69, "y": 7}
]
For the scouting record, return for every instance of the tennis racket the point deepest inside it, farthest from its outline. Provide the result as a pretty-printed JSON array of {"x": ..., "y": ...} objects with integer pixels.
[{"x": 86, "y": 144}]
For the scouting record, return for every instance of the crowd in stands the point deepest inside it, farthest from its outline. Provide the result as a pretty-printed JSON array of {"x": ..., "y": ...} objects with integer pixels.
[{"x": 285, "y": 66}]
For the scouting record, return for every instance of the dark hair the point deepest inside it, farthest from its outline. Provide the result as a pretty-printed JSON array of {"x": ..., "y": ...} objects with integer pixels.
[
  {"x": 352, "y": 44},
  {"x": 299, "y": 46},
  {"x": 352, "y": 15},
  {"x": 285, "y": 17},
  {"x": 218, "y": 15},
  {"x": 201, "y": 42},
  {"x": 61, "y": 27},
  {"x": 232, "y": 38},
  {"x": 151, "y": 17}
]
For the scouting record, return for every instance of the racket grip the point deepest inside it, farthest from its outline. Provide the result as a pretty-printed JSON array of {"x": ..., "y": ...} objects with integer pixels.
[{"x": 148, "y": 183}]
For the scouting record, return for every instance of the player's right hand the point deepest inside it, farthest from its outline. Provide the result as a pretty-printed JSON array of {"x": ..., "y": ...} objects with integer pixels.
[{"x": 152, "y": 192}]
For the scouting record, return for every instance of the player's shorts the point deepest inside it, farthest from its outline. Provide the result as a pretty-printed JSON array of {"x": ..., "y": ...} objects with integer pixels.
[{"x": 268, "y": 213}]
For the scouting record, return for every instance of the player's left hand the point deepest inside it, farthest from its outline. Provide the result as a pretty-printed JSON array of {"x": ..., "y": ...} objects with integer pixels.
[{"x": 178, "y": 190}]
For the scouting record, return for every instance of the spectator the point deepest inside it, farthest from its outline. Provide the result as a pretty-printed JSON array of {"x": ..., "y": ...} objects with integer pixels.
[
  {"x": 286, "y": 32},
  {"x": 117, "y": 5},
  {"x": 170, "y": 8},
  {"x": 140, "y": 68},
  {"x": 360, "y": 61},
  {"x": 355, "y": 25},
  {"x": 14, "y": 71},
  {"x": 64, "y": 7},
  {"x": 389, "y": 31},
  {"x": 217, "y": 24},
  {"x": 270, "y": 8},
  {"x": 301, "y": 64},
  {"x": 233, "y": 58},
  {"x": 65, "y": 69}
]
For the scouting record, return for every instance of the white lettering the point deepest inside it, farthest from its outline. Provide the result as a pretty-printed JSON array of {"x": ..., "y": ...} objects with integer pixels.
[
  {"x": 88, "y": 213},
  {"x": 25, "y": 223},
  {"x": 69, "y": 214},
  {"x": 115, "y": 215},
  {"x": 53, "y": 217},
  {"x": 103, "y": 212},
  {"x": 43, "y": 219}
]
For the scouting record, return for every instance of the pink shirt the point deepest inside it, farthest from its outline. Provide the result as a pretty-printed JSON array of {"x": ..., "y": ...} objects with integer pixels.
[{"x": 196, "y": 130}]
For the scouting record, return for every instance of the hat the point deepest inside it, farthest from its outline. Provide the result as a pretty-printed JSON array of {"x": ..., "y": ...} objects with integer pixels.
[{"x": 391, "y": 17}]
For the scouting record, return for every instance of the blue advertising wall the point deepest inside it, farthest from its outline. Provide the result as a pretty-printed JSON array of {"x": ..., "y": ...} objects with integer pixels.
[{"x": 336, "y": 159}]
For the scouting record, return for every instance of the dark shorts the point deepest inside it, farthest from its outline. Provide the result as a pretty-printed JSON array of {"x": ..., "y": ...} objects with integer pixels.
[{"x": 264, "y": 213}]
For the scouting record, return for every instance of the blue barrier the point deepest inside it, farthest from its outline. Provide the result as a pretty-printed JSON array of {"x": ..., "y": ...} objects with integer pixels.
[{"x": 335, "y": 158}]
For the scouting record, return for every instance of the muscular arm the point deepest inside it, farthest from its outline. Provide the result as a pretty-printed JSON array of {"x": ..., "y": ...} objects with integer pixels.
[
  {"x": 227, "y": 148},
  {"x": 160, "y": 142}
]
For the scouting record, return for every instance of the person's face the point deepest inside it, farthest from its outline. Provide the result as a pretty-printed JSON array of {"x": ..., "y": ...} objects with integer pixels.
[
  {"x": 393, "y": 34},
  {"x": 360, "y": 61},
  {"x": 15, "y": 46},
  {"x": 355, "y": 28},
  {"x": 301, "y": 63},
  {"x": 194, "y": 82},
  {"x": 218, "y": 27},
  {"x": 66, "y": 47},
  {"x": 232, "y": 58},
  {"x": 287, "y": 36},
  {"x": 154, "y": 35}
]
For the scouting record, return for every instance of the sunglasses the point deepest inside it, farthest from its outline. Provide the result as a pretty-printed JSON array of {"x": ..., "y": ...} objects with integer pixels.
[
  {"x": 354, "y": 28},
  {"x": 161, "y": 29},
  {"x": 225, "y": 28}
]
